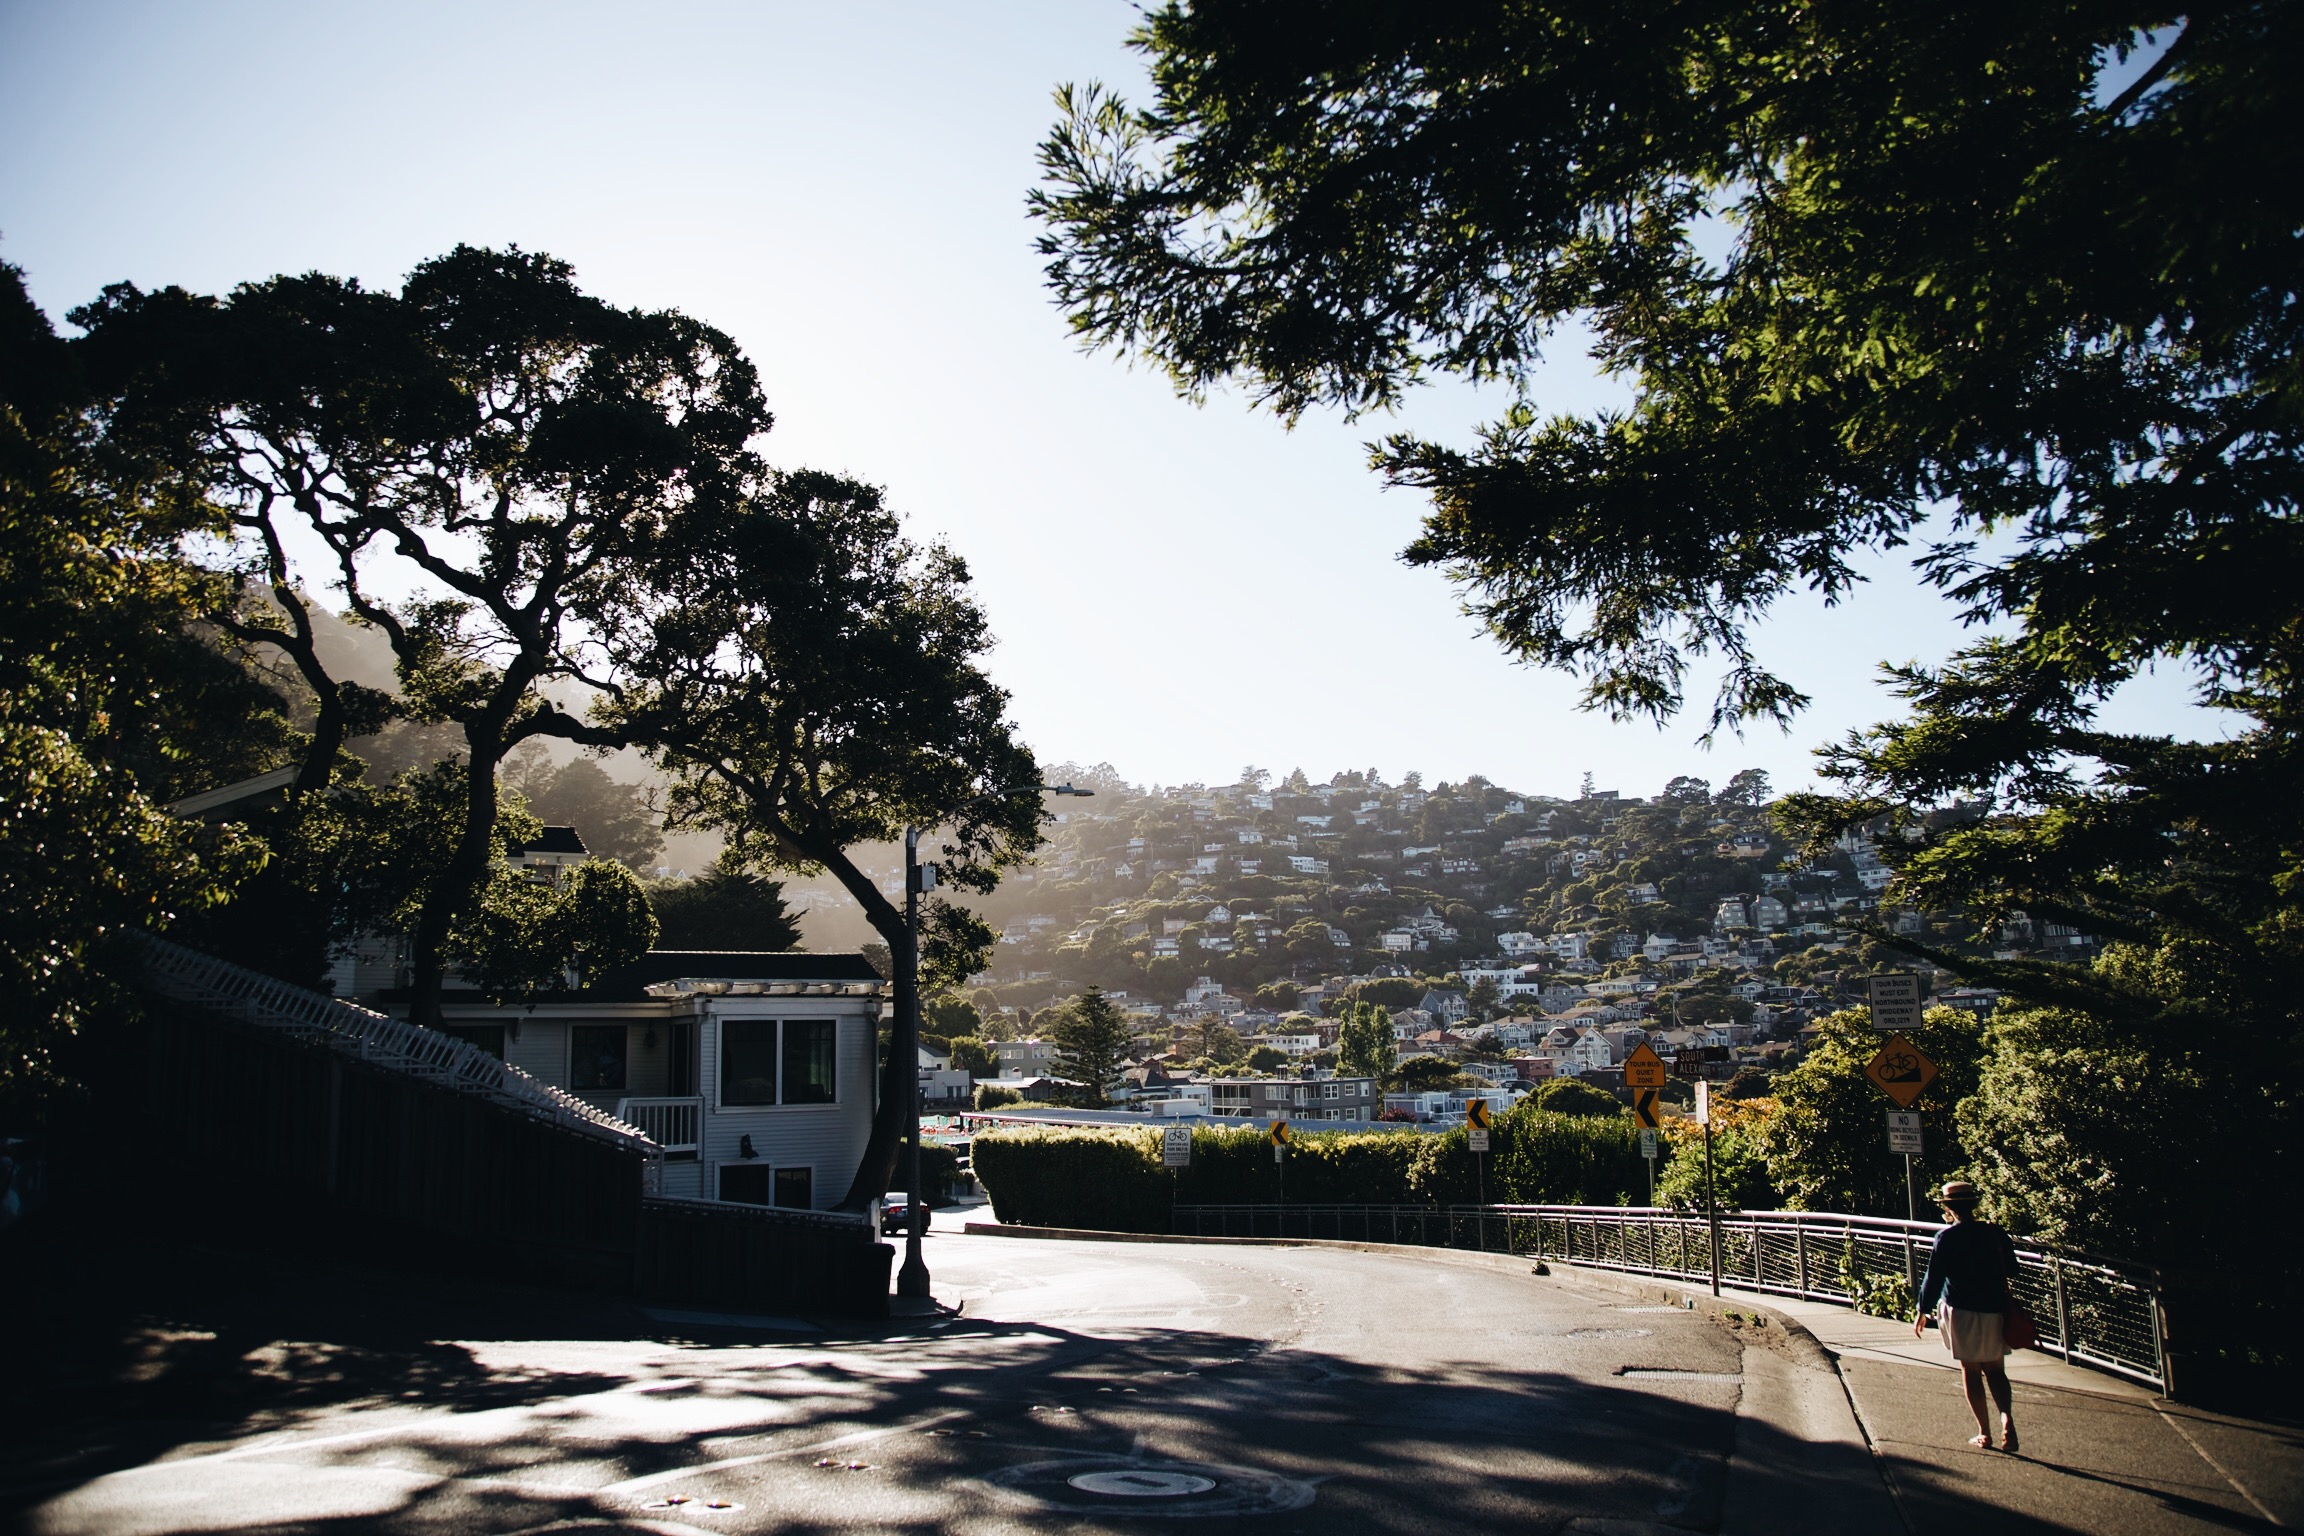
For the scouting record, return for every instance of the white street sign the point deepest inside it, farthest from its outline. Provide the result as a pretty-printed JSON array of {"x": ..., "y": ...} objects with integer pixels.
[
  {"x": 1479, "y": 1138},
  {"x": 1895, "y": 1002},
  {"x": 1703, "y": 1103},
  {"x": 1904, "y": 1133},
  {"x": 1176, "y": 1147},
  {"x": 1648, "y": 1145}
]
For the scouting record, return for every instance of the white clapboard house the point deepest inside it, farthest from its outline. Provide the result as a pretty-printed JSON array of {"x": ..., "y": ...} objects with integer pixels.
[{"x": 754, "y": 1072}]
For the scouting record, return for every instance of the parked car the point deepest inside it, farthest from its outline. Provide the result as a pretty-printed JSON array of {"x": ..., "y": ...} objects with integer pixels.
[{"x": 893, "y": 1214}]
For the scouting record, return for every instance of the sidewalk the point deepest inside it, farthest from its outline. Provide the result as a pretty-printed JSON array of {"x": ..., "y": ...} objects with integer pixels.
[{"x": 2100, "y": 1455}]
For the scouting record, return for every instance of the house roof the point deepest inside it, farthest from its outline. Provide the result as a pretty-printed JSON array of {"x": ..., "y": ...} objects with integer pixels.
[
  {"x": 630, "y": 983},
  {"x": 552, "y": 840}
]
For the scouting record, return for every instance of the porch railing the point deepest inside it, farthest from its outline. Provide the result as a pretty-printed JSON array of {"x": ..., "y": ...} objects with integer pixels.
[
  {"x": 673, "y": 1124},
  {"x": 2090, "y": 1309},
  {"x": 222, "y": 987}
]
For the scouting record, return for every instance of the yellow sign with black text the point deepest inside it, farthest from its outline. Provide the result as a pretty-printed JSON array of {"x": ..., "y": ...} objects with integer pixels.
[{"x": 1643, "y": 1068}]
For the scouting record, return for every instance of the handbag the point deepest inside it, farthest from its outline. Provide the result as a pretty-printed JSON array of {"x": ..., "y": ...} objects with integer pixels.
[{"x": 2016, "y": 1330}]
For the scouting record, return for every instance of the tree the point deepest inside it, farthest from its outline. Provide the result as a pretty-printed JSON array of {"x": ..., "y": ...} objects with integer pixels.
[
  {"x": 726, "y": 910},
  {"x": 1685, "y": 791},
  {"x": 1427, "y": 1074},
  {"x": 812, "y": 681},
  {"x": 526, "y": 936},
  {"x": 1747, "y": 790},
  {"x": 1092, "y": 1040},
  {"x": 973, "y": 1056},
  {"x": 495, "y": 438},
  {"x": 110, "y": 706},
  {"x": 1267, "y": 1058},
  {"x": 1573, "y": 1096},
  {"x": 617, "y": 821},
  {"x": 1892, "y": 346},
  {"x": 1485, "y": 1000},
  {"x": 1364, "y": 1043},
  {"x": 1823, "y": 1143},
  {"x": 951, "y": 1015}
]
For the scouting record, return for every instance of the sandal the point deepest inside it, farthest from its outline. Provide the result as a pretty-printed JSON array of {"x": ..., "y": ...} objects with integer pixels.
[
  {"x": 1981, "y": 1442},
  {"x": 2008, "y": 1439}
]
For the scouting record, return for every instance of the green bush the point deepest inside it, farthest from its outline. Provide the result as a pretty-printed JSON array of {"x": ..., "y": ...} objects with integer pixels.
[
  {"x": 1111, "y": 1179},
  {"x": 1072, "y": 1176},
  {"x": 993, "y": 1096}
]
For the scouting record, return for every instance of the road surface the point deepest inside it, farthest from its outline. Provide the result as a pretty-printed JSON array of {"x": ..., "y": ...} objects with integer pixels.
[{"x": 1081, "y": 1386}]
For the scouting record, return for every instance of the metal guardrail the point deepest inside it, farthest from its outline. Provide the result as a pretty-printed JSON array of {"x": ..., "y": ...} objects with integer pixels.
[
  {"x": 222, "y": 987},
  {"x": 2089, "y": 1309}
]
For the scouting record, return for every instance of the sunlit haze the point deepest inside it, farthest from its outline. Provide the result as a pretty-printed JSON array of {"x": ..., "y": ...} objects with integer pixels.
[{"x": 1178, "y": 590}]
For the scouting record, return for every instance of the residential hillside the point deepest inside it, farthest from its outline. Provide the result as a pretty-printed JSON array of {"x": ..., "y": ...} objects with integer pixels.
[{"x": 1275, "y": 893}]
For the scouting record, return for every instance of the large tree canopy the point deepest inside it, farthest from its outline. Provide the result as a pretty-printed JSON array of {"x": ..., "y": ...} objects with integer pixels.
[
  {"x": 2011, "y": 287},
  {"x": 490, "y": 438},
  {"x": 814, "y": 682},
  {"x": 1862, "y": 266}
]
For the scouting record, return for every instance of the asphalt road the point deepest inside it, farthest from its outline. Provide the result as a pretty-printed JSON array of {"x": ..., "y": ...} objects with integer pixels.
[{"x": 1083, "y": 1386}]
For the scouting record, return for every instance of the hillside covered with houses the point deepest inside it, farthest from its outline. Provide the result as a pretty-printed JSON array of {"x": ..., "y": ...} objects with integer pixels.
[{"x": 1521, "y": 936}]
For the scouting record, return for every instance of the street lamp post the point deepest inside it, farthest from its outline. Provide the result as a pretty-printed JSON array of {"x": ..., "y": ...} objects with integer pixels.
[{"x": 912, "y": 1278}]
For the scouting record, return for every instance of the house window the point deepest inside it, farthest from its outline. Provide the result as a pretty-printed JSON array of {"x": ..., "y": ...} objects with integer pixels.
[
  {"x": 746, "y": 1183},
  {"x": 770, "y": 1061},
  {"x": 748, "y": 1062},
  {"x": 596, "y": 1056},
  {"x": 809, "y": 1062},
  {"x": 796, "y": 1188},
  {"x": 486, "y": 1037}
]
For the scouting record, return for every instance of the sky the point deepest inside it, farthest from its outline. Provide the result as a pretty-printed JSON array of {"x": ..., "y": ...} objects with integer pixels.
[{"x": 1178, "y": 590}]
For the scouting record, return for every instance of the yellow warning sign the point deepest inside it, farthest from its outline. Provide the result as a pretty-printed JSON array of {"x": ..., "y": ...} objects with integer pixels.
[
  {"x": 1644, "y": 1068},
  {"x": 1279, "y": 1133},
  {"x": 1901, "y": 1071},
  {"x": 1648, "y": 1108},
  {"x": 1476, "y": 1114}
]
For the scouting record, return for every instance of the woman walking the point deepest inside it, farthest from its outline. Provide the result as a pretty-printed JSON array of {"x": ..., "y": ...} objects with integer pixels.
[{"x": 1969, "y": 1269}]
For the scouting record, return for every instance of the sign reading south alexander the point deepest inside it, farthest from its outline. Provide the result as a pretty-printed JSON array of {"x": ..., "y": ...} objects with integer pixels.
[{"x": 1895, "y": 1002}]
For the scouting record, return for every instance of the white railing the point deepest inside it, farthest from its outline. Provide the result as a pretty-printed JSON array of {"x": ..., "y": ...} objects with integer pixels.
[
  {"x": 672, "y": 1124},
  {"x": 222, "y": 987}
]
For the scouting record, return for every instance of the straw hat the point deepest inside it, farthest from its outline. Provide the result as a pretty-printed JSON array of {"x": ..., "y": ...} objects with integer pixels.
[{"x": 1959, "y": 1194}]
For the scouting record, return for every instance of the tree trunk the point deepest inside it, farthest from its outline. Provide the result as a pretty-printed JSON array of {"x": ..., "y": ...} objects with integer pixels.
[
  {"x": 465, "y": 869},
  {"x": 899, "y": 1079}
]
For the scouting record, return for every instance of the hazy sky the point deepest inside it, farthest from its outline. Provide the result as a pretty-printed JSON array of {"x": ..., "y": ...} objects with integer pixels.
[{"x": 1177, "y": 590}]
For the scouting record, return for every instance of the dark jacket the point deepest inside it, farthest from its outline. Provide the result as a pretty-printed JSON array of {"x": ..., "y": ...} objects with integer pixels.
[{"x": 1969, "y": 1268}]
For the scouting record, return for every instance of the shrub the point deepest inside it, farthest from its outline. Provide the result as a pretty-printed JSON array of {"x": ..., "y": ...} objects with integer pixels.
[{"x": 1070, "y": 1176}]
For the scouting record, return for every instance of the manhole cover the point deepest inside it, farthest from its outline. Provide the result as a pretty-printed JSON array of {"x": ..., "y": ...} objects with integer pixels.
[
  {"x": 1092, "y": 1485},
  {"x": 1142, "y": 1485},
  {"x": 1609, "y": 1333}
]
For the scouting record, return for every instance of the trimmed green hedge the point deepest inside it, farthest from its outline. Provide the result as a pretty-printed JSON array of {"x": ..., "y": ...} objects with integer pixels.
[{"x": 1110, "y": 1179}]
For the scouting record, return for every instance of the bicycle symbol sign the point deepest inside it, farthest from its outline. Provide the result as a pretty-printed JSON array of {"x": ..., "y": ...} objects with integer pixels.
[{"x": 1901, "y": 1070}]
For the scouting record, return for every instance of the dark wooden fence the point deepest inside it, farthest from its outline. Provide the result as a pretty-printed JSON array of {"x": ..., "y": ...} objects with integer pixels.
[{"x": 245, "y": 1132}]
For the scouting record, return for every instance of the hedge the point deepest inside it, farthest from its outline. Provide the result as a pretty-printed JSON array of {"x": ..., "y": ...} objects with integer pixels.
[{"x": 1110, "y": 1178}]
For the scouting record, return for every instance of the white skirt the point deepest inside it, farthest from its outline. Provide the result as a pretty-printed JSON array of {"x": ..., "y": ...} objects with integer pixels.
[{"x": 1974, "y": 1337}]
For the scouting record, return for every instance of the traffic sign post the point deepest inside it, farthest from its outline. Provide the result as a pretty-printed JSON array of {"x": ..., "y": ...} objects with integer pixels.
[
  {"x": 1902, "y": 1071},
  {"x": 1711, "y": 1201},
  {"x": 1895, "y": 1002},
  {"x": 1280, "y": 1158},
  {"x": 1648, "y": 1155},
  {"x": 1476, "y": 1133}
]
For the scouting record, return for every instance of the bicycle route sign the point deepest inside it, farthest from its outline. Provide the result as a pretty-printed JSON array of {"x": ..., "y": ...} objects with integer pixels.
[
  {"x": 1176, "y": 1147},
  {"x": 1901, "y": 1071}
]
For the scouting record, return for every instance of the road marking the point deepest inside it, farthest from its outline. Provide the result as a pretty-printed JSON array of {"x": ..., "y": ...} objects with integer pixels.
[{"x": 2237, "y": 1486}]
